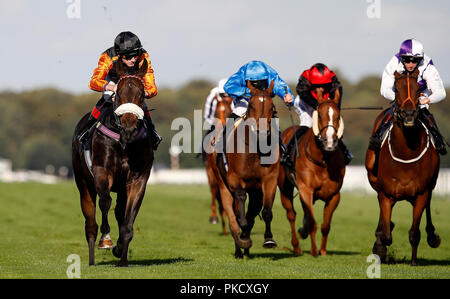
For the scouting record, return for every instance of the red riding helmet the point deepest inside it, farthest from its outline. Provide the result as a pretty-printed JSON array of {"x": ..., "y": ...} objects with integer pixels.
[{"x": 320, "y": 74}]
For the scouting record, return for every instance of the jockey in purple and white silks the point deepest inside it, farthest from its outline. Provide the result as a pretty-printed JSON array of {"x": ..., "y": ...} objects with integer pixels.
[
  {"x": 410, "y": 57},
  {"x": 260, "y": 76}
]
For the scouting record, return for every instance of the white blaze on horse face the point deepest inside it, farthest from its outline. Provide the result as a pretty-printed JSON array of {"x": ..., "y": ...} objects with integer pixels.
[
  {"x": 330, "y": 129},
  {"x": 261, "y": 99}
]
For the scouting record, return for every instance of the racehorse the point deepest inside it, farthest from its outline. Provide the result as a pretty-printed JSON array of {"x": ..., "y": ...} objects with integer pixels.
[
  {"x": 319, "y": 172},
  {"x": 122, "y": 158},
  {"x": 406, "y": 168},
  {"x": 223, "y": 111},
  {"x": 247, "y": 175}
]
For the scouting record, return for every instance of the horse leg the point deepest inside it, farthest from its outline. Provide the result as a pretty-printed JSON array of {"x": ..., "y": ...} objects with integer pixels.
[
  {"x": 328, "y": 211},
  {"x": 245, "y": 241},
  {"x": 414, "y": 233},
  {"x": 119, "y": 212},
  {"x": 135, "y": 195},
  {"x": 223, "y": 215},
  {"x": 103, "y": 185},
  {"x": 214, "y": 219},
  {"x": 433, "y": 239},
  {"x": 286, "y": 194},
  {"x": 87, "y": 199},
  {"x": 383, "y": 233},
  {"x": 228, "y": 205},
  {"x": 269, "y": 188},
  {"x": 309, "y": 222}
]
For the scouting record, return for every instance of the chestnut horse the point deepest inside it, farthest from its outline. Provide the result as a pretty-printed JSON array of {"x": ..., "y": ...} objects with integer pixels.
[
  {"x": 223, "y": 111},
  {"x": 406, "y": 168},
  {"x": 120, "y": 165},
  {"x": 248, "y": 172},
  {"x": 319, "y": 172}
]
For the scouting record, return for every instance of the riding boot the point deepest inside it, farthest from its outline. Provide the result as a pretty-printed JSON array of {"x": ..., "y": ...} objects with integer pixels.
[
  {"x": 428, "y": 120},
  {"x": 377, "y": 138},
  {"x": 286, "y": 156},
  {"x": 154, "y": 136},
  {"x": 348, "y": 156},
  {"x": 87, "y": 131}
]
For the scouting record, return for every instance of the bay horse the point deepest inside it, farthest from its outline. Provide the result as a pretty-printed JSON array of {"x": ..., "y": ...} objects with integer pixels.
[
  {"x": 122, "y": 158},
  {"x": 319, "y": 173},
  {"x": 223, "y": 111},
  {"x": 247, "y": 175},
  {"x": 406, "y": 168}
]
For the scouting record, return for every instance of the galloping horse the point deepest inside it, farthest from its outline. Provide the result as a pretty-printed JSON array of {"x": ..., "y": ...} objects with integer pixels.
[
  {"x": 247, "y": 175},
  {"x": 319, "y": 172},
  {"x": 223, "y": 111},
  {"x": 407, "y": 168},
  {"x": 122, "y": 157}
]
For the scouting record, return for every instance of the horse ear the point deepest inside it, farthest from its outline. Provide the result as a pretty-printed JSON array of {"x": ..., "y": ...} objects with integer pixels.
[
  {"x": 272, "y": 84},
  {"x": 121, "y": 68},
  {"x": 250, "y": 86},
  {"x": 337, "y": 96},
  {"x": 397, "y": 75},
  {"x": 143, "y": 69},
  {"x": 319, "y": 95}
]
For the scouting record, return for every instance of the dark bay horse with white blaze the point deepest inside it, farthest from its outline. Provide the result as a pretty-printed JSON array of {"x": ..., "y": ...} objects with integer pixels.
[
  {"x": 406, "y": 168},
  {"x": 120, "y": 165},
  {"x": 319, "y": 172},
  {"x": 223, "y": 111},
  {"x": 248, "y": 172}
]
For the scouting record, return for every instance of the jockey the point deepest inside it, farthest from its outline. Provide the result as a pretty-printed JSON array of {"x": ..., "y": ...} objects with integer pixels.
[
  {"x": 260, "y": 75},
  {"x": 319, "y": 76},
  {"x": 217, "y": 94},
  {"x": 128, "y": 48},
  {"x": 411, "y": 57}
]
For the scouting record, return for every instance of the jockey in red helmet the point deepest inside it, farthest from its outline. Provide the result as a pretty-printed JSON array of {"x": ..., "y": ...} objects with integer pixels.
[
  {"x": 318, "y": 76},
  {"x": 127, "y": 47}
]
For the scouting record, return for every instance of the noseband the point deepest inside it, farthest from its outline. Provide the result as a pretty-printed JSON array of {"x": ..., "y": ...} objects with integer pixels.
[
  {"x": 408, "y": 98},
  {"x": 128, "y": 107}
]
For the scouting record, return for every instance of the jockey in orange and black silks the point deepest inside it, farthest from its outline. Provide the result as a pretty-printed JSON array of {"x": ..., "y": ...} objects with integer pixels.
[
  {"x": 128, "y": 48},
  {"x": 318, "y": 76}
]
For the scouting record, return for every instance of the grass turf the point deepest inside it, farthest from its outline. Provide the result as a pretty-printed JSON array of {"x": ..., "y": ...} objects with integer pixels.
[{"x": 43, "y": 224}]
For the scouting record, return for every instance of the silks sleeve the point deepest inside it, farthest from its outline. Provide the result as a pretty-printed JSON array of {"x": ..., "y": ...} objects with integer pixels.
[
  {"x": 149, "y": 79},
  {"x": 98, "y": 81}
]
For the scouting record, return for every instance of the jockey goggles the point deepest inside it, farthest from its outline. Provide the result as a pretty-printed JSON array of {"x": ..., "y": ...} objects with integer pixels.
[
  {"x": 132, "y": 54},
  {"x": 260, "y": 84},
  {"x": 408, "y": 59}
]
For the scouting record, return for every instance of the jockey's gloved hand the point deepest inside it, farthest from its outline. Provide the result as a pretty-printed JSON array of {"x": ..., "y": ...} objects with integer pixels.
[{"x": 108, "y": 96}]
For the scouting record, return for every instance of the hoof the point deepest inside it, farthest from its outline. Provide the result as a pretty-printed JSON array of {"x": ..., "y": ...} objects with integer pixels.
[
  {"x": 381, "y": 251},
  {"x": 434, "y": 240},
  {"x": 105, "y": 244},
  {"x": 117, "y": 252},
  {"x": 244, "y": 243},
  {"x": 323, "y": 252},
  {"x": 303, "y": 233},
  {"x": 213, "y": 220},
  {"x": 269, "y": 243}
]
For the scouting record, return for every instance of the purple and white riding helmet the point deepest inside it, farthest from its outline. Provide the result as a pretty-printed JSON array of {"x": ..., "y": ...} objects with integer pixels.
[{"x": 411, "y": 47}]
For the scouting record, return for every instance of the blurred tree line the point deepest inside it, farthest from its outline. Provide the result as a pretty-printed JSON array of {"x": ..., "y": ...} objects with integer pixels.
[{"x": 36, "y": 126}]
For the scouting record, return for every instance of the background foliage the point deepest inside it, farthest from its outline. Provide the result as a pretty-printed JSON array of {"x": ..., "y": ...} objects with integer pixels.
[{"x": 36, "y": 126}]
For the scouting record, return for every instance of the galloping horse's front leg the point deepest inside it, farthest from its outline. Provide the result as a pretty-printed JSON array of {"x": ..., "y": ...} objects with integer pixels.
[
  {"x": 385, "y": 226},
  {"x": 135, "y": 195},
  {"x": 414, "y": 233},
  {"x": 103, "y": 183},
  {"x": 309, "y": 222},
  {"x": 328, "y": 210},
  {"x": 269, "y": 188},
  {"x": 244, "y": 240},
  {"x": 433, "y": 239}
]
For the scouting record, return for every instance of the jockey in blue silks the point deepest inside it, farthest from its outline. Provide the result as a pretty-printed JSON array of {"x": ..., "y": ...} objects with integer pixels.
[{"x": 260, "y": 75}]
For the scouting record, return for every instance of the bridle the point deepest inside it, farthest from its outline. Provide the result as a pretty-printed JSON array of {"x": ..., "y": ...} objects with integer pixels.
[
  {"x": 128, "y": 107},
  {"x": 318, "y": 132},
  {"x": 400, "y": 114}
]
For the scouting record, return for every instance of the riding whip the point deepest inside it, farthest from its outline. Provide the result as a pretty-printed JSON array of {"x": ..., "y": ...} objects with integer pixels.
[{"x": 292, "y": 122}]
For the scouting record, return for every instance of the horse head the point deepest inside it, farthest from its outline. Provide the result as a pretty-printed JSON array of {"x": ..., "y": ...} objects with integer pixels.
[
  {"x": 328, "y": 124},
  {"x": 261, "y": 108},
  {"x": 406, "y": 98},
  {"x": 223, "y": 109},
  {"x": 129, "y": 101}
]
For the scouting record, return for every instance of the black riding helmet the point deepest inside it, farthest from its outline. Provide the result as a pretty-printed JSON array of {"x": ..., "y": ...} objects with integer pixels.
[{"x": 127, "y": 43}]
